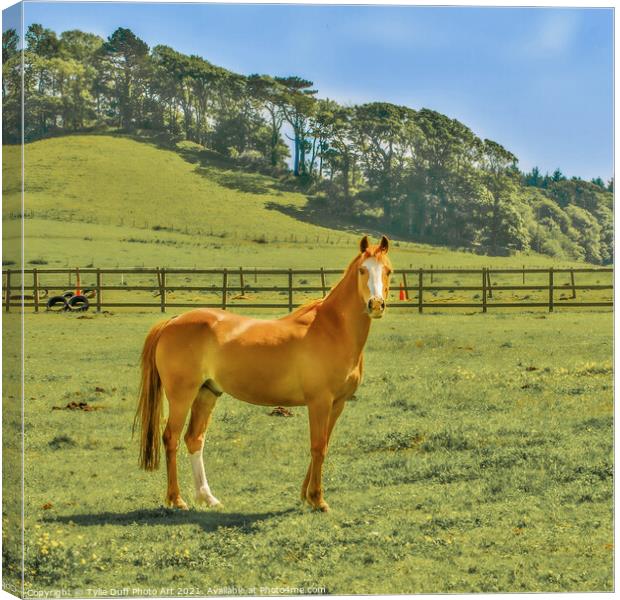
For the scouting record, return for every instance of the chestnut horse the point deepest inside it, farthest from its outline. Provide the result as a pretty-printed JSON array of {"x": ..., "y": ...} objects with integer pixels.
[{"x": 311, "y": 357}]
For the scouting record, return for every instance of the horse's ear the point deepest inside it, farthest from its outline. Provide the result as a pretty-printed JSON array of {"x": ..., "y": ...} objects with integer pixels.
[
  {"x": 384, "y": 244},
  {"x": 364, "y": 243}
]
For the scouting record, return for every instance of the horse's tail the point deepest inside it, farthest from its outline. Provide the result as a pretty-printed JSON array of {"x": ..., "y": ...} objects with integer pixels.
[{"x": 148, "y": 413}]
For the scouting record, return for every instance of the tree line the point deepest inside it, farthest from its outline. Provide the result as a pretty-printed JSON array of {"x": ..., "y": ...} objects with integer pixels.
[{"x": 417, "y": 173}]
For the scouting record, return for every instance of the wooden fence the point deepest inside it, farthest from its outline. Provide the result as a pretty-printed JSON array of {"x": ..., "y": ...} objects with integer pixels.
[{"x": 30, "y": 288}]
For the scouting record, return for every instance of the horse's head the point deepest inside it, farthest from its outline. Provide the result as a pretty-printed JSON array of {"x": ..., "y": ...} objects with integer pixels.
[{"x": 373, "y": 279}]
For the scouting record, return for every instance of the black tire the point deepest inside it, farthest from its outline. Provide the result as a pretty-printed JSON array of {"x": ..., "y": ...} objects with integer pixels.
[
  {"x": 78, "y": 303},
  {"x": 57, "y": 304}
]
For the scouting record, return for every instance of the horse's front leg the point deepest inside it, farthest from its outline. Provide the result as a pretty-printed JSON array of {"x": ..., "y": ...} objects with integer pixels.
[
  {"x": 336, "y": 411},
  {"x": 320, "y": 415}
]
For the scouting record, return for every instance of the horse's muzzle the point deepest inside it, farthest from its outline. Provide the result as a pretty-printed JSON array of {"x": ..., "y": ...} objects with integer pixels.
[{"x": 376, "y": 307}]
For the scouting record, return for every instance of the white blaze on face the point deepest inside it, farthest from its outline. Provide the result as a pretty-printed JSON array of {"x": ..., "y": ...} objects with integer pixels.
[{"x": 375, "y": 277}]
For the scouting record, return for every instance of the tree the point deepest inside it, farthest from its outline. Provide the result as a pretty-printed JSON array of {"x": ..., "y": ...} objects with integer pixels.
[
  {"x": 505, "y": 230},
  {"x": 557, "y": 176},
  {"x": 123, "y": 60},
  {"x": 384, "y": 134},
  {"x": 78, "y": 51},
  {"x": 11, "y": 87},
  {"x": 79, "y": 46},
  {"x": 41, "y": 41},
  {"x": 442, "y": 156},
  {"x": 533, "y": 178},
  {"x": 10, "y": 43},
  {"x": 203, "y": 81},
  {"x": 43, "y": 79},
  {"x": 297, "y": 104},
  {"x": 589, "y": 232},
  {"x": 269, "y": 96},
  {"x": 338, "y": 149}
]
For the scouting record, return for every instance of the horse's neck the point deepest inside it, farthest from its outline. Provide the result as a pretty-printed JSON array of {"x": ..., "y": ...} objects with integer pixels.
[{"x": 344, "y": 309}]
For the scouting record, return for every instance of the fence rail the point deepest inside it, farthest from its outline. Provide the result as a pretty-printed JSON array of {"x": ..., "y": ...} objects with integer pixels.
[{"x": 29, "y": 288}]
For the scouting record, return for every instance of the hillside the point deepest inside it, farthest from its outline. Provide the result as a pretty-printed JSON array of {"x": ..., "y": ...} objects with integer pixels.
[
  {"x": 111, "y": 201},
  {"x": 416, "y": 174}
]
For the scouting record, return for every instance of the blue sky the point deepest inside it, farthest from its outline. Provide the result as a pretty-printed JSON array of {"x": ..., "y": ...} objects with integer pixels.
[{"x": 537, "y": 80}]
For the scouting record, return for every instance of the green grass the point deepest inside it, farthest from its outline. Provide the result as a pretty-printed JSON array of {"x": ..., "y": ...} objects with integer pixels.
[{"x": 476, "y": 456}]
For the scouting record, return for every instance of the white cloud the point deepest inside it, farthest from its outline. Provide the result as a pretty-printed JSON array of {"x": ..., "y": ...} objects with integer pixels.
[
  {"x": 554, "y": 34},
  {"x": 393, "y": 31}
]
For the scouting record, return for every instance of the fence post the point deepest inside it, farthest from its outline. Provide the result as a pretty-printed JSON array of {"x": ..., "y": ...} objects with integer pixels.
[
  {"x": 488, "y": 270},
  {"x": 8, "y": 289},
  {"x": 523, "y": 274},
  {"x": 572, "y": 282},
  {"x": 98, "y": 290},
  {"x": 420, "y": 285},
  {"x": 35, "y": 289},
  {"x": 431, "y": 273},
  {"x": 224, "y": 288},
  {"x": 323, "y": 282},
  {"x": 290, "y": 290},
  {"x": 406, "y": 286},
  {"x": 241, "y": 281},
  {"x": 484, "y": 290},
  {"x": 550, "y": 289},
  {"x": 162, "y": 289}
]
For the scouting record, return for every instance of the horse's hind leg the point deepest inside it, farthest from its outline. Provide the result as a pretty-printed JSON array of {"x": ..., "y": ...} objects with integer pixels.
[
  {"x": 180, "y": 398},
  {"x": 195, "y": 439}
]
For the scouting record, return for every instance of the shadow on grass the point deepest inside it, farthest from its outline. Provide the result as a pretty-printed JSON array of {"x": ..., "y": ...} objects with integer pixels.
[
  {"x": 250, "y": 183},
  {"x": 316, "y": 212},
  {"x": 208, "y": 520},
  {"x": 229, "y": 173}
]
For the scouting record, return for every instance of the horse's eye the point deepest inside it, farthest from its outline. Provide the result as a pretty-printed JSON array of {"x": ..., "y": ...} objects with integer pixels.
[
  {"x": 388, "y": 272},
  {"x": 362, "y": 270}
]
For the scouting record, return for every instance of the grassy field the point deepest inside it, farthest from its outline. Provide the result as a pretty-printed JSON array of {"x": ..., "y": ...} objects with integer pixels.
[
  {"x": 113, "y": 201},
  {"x": 476, "y": 456}
]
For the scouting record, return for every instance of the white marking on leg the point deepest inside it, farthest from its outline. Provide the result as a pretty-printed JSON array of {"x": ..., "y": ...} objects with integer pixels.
[{"x": 203, "y": 491}]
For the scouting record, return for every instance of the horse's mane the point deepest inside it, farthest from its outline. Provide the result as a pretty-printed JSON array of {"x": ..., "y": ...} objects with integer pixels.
[
  {"x": 310, "y": 305},
  {"x": 304, "y": 308}
]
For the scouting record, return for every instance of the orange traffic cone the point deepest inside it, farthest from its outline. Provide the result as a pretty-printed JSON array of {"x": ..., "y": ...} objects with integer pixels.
[{"x": 401, "y": 295}]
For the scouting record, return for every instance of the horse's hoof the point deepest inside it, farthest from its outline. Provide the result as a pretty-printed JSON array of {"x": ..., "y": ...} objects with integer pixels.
[
  {"x": 204, "y": 497},
  {"x": 178, "y": 503},
  {"x": 317, "y": 503}
]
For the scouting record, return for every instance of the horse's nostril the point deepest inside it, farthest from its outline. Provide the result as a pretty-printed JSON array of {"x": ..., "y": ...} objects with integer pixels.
[{"x": 375, "y": 304}]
